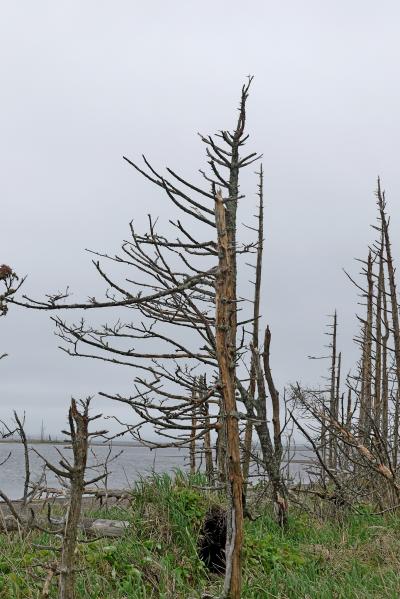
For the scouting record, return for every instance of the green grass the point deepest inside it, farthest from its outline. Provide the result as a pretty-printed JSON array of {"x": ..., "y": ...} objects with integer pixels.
[{"x": 356, "y": 558}]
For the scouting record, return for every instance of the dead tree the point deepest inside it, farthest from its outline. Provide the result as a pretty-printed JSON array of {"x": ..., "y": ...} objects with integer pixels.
[
  {"x": 173, "y": 288},
  {"x": 366, "y": 433},
  {"x": 207, "y": 446},
  {"x": 370, "y": 466},
  {"x": 74, "y": 472},
  {"x": 192, "y": 447},
  {"x": 384, "y": 344},
  {"x": 366, "y": 382},
  {"x": 225, "y": 337},
  {"x": 391, "y": 278},
  {"x": 333, "y": 396},
  {"x": 271, "y": 446},
  {"x": 256, "y": 327}
]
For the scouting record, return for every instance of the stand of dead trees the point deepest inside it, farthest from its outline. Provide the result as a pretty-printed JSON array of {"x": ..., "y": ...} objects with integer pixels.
[
  {"x": 354, "y": 431},
  {"x": 201, "y": 375},
  {"x": 72, "y": 475}
]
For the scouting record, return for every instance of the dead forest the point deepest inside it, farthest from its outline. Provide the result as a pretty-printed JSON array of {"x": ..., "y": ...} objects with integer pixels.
[{"x": 200, "y": 356}]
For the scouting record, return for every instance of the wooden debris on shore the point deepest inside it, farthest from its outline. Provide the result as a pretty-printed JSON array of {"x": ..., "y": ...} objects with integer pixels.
[{"x": 97, "y": 527}]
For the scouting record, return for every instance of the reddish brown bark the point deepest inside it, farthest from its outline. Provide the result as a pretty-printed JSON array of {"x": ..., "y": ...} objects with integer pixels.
[{"x": 225, "y": 338}]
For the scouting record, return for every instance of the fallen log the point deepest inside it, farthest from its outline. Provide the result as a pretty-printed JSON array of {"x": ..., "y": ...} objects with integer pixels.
[
  {"x": 96, "y": 527},
  {"x": 100, "y": 494}
]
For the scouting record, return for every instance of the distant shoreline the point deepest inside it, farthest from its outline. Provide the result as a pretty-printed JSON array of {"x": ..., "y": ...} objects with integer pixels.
[
  {"x": 67, "y": 441},
  {"x": 297, "y": 449}
]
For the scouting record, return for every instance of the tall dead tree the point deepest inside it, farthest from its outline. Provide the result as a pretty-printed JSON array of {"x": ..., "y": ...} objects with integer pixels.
[
  {"x": 192, "y": 447},
  {"x": 207, "y": 445},
  {"x": 171, "y": 294},
  {"x": 366, "y": 433},
  {"x": 225, "y": 337},
  {"x": 270, "y": 442},
  {"x": 279, "y": 487},
  {"x": 256, "y": 326},
  {"x": 172, "y": 288},
  {"x": 391, "y": 278},
  {"x": 330, "y": 396},
  {"x": 385, "y": 377},
  {"x": 366, "y": 399},
  {"x": 74, "y": 472},
  {"x": 333, "y": 403},
  {"x": 79, "y": 433},
  {"x": 377, "y": 408}
]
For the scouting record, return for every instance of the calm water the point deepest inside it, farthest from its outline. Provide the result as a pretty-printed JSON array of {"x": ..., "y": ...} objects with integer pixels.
[
  {"x": 124, "y": 471},
  {"x": 133, "y": 463}
]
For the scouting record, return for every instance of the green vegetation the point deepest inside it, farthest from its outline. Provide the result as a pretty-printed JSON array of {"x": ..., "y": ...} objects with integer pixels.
[{"x": 358, "y": 557}]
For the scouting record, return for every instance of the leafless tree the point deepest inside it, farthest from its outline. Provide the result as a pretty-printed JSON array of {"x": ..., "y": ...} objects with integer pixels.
[
  {"x": 189, "y": 321},
  {"x": 74, "y": 472},
  {"x": 362, "y": 461},
  {"x": 256, "y": 327}
]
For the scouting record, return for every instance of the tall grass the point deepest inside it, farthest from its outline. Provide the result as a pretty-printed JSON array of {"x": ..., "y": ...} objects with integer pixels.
[{"x": 356, "y": 558}]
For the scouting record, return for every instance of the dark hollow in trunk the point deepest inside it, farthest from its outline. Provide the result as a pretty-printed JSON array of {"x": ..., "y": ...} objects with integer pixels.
[{"x": 213, "y": 540}]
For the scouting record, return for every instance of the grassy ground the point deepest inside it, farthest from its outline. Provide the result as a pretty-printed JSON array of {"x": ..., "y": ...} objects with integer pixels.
[{"x": 358, "y": 558}]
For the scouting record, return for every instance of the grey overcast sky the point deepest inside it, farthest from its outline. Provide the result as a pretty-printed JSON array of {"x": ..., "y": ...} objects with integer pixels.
[{"x": 84, "y": 82}]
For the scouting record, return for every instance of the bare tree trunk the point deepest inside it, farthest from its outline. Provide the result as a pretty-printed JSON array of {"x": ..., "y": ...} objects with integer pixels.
[
  {"x": 337, "y": 401},
  {"x": 392, "y": 280},
  {"x": 396, "y": 423},
  {"x": 193, "y": 435},
  {"x": 385, "y": 376},
  {"x": 226, "y": 354},
  {"x": 338, "y": 373},
  {"x": 248, "y": 439},
  {"x": 220, "y": 453},
  {"x": 24, "y": 441},
  {"x": 348, "y": 409},
  {"x": 207, "y": 447},
  {"x": 256, "y": 326},
  {"x": 280, "y": 492},
  {"x": 378, "y": 346},
  {"x": 366, "y": 383},
  {"x": 332, "y": 393},
  {"x": 208, "y": 453},
  {"x": 79, "y": 439},
  {"x": 323, "y": 436}
]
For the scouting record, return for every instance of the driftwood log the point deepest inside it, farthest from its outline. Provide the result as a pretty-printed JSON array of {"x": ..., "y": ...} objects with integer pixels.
[
  {"x": 100, "y": 494},
  {"x": 97, "y": 527},
  {"x": 35, "y": 514}
]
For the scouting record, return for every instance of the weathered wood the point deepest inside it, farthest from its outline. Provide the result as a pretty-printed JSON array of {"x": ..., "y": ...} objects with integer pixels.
[
  {"x": 391, "y": 277},
  {"x": 225, "y": 337},
  {"x": 332, "y": 395},
  {"x": 208, "y": 454},
  {"x": 248, "y": 437},
  {"x": 97, "y": 527},
  {"x": 62, "y": 494},
  {"x": 78, "y": 423},
  {"x": 192, "y": 447},
  {"x": 274, "y": 461}
]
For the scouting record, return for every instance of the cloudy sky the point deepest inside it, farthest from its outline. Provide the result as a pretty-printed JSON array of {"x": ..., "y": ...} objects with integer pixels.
[{"x": 84, "y": 82}]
